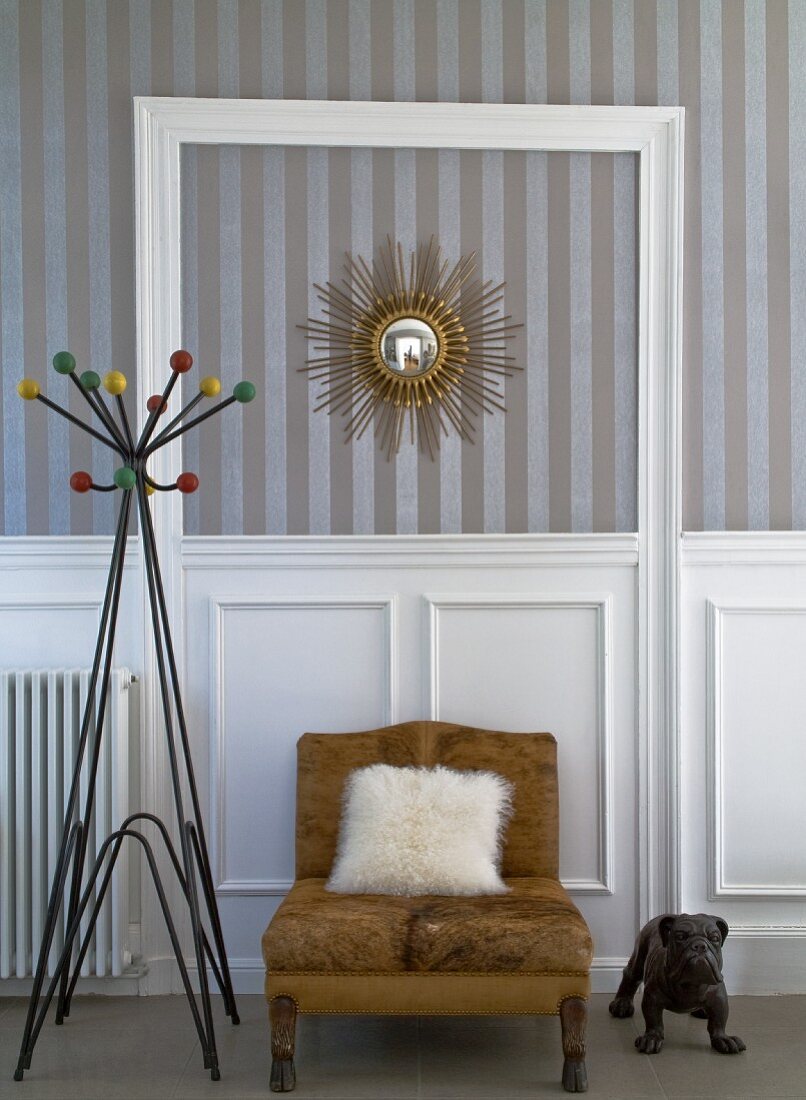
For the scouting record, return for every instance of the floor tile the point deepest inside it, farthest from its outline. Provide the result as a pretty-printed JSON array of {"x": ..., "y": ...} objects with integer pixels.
[
  {"x": 768, "y": 1011},
  {"x": 774, "y": 1064},
  {"x": 458, "y": 1060},
  {"x": 107, "y": 1065},
  {"x": 336, "y": 1057}
]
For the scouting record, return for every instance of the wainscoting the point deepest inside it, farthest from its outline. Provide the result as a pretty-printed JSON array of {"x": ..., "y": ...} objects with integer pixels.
[
  {"x": 532, "y": 632},
  {"x": 537, "y": 633}
]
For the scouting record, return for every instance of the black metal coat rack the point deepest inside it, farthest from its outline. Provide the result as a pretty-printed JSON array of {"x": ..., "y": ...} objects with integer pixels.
[{"x": 192, "y": 861}]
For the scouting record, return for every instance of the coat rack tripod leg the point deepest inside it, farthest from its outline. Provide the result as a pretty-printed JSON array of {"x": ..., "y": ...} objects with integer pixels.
[
  {"x": 74, "y": 838},
  {"x": 202, "y": 851}
]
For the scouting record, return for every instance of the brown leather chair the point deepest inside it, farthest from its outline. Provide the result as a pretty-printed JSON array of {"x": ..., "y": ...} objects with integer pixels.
[{"x": 527, "y": 952}]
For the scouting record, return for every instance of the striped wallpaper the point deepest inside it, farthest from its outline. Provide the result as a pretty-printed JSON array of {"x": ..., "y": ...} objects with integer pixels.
[{"x": 260, "y": 224}]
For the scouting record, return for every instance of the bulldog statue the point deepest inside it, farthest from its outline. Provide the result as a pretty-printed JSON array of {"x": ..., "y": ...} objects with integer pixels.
[{"x": 679, "y": 960}]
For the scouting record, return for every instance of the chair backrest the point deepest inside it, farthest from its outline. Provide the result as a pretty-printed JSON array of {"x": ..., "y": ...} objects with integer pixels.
[{"x": 528, "y": 760}]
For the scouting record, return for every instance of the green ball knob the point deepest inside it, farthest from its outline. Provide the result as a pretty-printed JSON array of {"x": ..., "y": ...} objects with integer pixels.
[
  {"x": 64, "y": 362},
  {"x": 244, "y": 392},
  {"x": 125, "y": 478},
  {"x": 90, "y": 380}
]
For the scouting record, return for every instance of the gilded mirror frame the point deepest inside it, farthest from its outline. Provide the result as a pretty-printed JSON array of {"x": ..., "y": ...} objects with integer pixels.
[{"x": 466, "y": 377}]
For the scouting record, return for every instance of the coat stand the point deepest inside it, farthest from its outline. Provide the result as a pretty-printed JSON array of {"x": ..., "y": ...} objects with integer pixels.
[{"x": 191, "y": 864}]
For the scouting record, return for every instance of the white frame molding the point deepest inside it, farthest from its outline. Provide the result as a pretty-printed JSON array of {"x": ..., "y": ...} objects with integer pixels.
[
  {"x": 718, "y": 888},
  {"x": 655, "y": 134},
  {"x": 602, "y": 604},
  {"x": 219, "y": 606}
]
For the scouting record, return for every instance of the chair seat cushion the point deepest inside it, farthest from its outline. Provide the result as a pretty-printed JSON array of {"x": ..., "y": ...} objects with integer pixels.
[{"x": 533, "y": 929}]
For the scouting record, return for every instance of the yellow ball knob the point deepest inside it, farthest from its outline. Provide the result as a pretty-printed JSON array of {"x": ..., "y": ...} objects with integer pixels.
[
  {"x": 28, "y": 389},
  {"x": 149, "y": 490},
  {"x": 114, "y": 382},
  {"x": 210, "y": 386}
]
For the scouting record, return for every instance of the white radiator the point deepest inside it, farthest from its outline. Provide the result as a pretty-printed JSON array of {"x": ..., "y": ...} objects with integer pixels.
[{"x": 40, "y": 722}]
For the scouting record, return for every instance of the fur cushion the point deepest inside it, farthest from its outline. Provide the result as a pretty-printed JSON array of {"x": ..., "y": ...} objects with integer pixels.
[{"x": 415, "y": 831}]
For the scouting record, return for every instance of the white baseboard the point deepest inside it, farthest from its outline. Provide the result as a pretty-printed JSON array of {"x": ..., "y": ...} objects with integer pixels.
[{"x": 127, "y": 985}]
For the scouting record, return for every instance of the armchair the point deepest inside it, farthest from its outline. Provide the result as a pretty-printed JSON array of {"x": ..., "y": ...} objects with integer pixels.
[{"x": 527, "y": 952}]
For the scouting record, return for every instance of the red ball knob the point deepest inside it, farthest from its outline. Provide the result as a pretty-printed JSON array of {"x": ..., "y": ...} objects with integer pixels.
[
  {"x": 80, "y": 481},
  {"x": 187, "y": 483},
  {"x": 181, "y": 361},
  {"x": 155, "y": 402}
]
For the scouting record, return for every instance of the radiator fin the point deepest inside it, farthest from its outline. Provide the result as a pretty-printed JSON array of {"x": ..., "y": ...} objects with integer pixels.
[{"x": 40, "y": 723}]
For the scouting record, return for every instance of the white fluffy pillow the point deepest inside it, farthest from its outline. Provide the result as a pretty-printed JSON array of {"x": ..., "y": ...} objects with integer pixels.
[{"x": 414, "y": 831}]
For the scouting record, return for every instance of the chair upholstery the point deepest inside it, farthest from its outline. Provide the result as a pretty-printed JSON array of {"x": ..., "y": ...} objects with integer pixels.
[
  {"x": 534, "y": 929},
  {"x": 527, "y": 951}
]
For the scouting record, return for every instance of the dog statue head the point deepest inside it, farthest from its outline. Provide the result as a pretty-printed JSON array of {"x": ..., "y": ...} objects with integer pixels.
[{"x": 693, "y": 943}]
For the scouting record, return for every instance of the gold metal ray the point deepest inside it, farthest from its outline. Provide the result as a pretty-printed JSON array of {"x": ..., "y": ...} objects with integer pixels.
[{"x": 413, "y": 345}]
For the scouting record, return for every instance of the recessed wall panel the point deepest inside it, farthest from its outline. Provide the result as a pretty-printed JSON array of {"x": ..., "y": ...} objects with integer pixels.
[{"x": 284, "y": 668}]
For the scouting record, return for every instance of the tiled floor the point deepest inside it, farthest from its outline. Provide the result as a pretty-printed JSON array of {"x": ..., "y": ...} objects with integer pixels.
[{"x": 147, "y": 1048}]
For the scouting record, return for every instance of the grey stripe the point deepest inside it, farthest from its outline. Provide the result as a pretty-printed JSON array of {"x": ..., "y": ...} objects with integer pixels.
[
  {"x": 318, "y": 267},
  {"x": 713, "y": 381},
  {"x": 581, "y": 347},
  {"x": 11, "y": 324},
  {"x": 55, "y": 217},
  {"x": 190, "y": 317},
  {"x": 537, "y": 341},
  {"x": 406, "y": 486},
  {"x": 275, "y": 352},
  {"x": 271, "y": 29},
  {"x": 668, "y": 83},
  {"x": 536, "y": 222},
  {"x": 535, "y": 47},
  {"x": 492, "y": 168},
  {"x": 580, "y": 286},
  {"x": 758, "y": 467},
  {"x": 184, "y": 75},
  {"x": 184, "y": 52},
  {"x": 493, "y": 425},
  {"x": 231, "y": 285},
  {"x": 734, "y": 267},
  {"x": 450, "y": 238},
  {"x": 103, "y": 462},
  {"x": 603, "y": 378},
  {"x": 623, "y": 52},
  {"x": 318, "y": 272},
  {"x": 363, "y": 456},
  {"x": 316, "y": 49},
  {"x": 140, "y": 47},
  {"x": 450, "y": 457},
  {"x": 274, "y": 259},
  {"x": 797, "y": 253},
  {"x": 624, "y": 236},
  {"x": 626, "y": 337},
  {"x": 579, "y": 52},
  {"x": 228, "y": 73},
  {"x": 361, "y": 244},
  {"x": 778, "y": 323},
  {"x": 274, "y": 311},
  {"x": 32, "y": 168}
]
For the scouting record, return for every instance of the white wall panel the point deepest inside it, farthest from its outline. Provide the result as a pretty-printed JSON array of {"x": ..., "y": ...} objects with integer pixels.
[
  {"x": 757, "y": 749},
  {"x": 279, "y": 667},
  {"x": 522, "y": 663},
  {"x": 743, "y": 750}
]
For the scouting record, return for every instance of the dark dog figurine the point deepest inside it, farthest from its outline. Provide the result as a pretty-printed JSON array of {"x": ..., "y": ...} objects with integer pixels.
[{"x": 679, "y": 960}]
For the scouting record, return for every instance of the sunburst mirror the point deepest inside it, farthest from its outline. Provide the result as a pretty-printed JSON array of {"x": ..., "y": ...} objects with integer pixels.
[{"x": 414, "y": 348}]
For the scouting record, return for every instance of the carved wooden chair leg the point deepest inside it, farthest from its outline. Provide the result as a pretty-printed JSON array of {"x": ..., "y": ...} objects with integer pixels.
[
  {"x": 573, "y": 1019},
  {"x": 283, "y": 1020}
]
